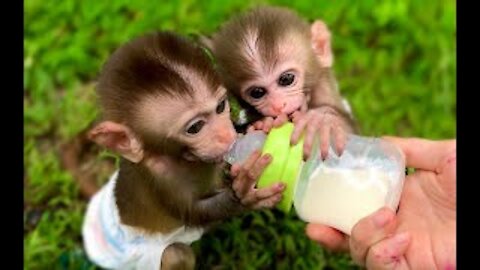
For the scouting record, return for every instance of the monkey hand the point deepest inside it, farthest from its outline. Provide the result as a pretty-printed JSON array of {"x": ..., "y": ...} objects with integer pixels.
[
  {"x": 327, "y": 121},
  {"x": 268, "y": 122},
  {"x": 245, "y": 177}
]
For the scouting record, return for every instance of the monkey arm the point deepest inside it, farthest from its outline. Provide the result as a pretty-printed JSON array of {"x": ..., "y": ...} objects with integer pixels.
[
  {"x": 327, "y": 99},
  {"x": 326, "y": 114},
  {"x": 219, "y": 205},
  {"x": 346, "y": 119}
]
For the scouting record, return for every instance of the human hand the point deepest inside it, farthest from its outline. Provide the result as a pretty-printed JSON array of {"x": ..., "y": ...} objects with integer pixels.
[{"x": 422, "y": 234}]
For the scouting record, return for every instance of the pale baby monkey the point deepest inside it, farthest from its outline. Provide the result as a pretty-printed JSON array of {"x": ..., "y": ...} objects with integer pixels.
[{"x": 282, "y": 66}]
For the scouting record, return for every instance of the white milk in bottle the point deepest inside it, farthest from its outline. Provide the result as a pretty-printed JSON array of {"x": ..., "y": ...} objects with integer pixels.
[{"x": 342, "y": 190}]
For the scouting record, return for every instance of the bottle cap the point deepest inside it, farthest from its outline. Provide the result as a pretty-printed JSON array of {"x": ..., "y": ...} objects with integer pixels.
[{"x": 285, "y": 165}]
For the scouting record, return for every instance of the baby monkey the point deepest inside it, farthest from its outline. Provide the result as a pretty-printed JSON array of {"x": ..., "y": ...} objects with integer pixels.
[
  {"x": 282, "y": 66},
  {"x": 166, "y": 113}
]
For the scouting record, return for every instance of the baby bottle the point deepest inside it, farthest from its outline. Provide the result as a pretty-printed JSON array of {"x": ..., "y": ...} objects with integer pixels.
[{"x": 337, "y": 191}]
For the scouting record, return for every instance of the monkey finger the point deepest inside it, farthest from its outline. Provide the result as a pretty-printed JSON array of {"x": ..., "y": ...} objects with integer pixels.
[
  {"x": 324, "y": 141},
  {"x": 298, "y": 130},
  {"x": 340, "y": 139},
  {"x": 251, "y": 160},
  {"x": 267, "y": 124},
  {"x": 293, "y": 115},
  {"x": 269, "y": 202},
  {"x": 251, "y": 128},
  {"x": 280, "y": 120},
  {"x": 254, "y": 173},
  {"x": 296, "y": 116},
  {"x": 309, "y": 137},
  {"x": 258, "y": 125},
  {"x": 389, "y": 253},
  {"x": 238, "y": 182},
  {"x": 234, "y": 170},
  {"x": 250, "y": 176},
  {"x": 256, "y": 195}
]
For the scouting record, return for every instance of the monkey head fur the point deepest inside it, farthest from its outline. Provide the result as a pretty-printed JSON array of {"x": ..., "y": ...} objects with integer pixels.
[{"x": 160, "y": 95}]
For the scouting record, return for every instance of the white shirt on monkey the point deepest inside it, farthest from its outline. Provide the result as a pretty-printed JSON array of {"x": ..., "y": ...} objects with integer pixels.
[{"x": 113, "y": 245}]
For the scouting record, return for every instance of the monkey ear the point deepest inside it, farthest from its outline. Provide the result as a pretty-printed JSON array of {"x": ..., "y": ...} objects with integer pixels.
[
  {"x": 206, "y": 41},
  {"x": 118, "y": 138},
  {"x": 321, "y": 42}
]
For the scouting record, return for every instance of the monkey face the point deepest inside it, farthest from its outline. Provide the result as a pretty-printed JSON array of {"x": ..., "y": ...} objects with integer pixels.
[
  {"x": 200, "y": 124},
  {"x": 277, "y": 91},
  {"x": 275, "y": 83},
  {"x": 210, "y": 134}
]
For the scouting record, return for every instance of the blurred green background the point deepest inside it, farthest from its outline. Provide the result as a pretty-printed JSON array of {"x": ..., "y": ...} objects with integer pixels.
[{"x": 395, "y": 62}]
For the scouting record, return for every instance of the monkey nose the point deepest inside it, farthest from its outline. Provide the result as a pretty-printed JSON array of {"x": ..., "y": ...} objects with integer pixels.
[
  {"x": 278, "y": 108},
  {"x": 226, "y": 137}
]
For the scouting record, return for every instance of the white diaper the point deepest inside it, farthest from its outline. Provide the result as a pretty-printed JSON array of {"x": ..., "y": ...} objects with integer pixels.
[{"x": 113, "y": 245}]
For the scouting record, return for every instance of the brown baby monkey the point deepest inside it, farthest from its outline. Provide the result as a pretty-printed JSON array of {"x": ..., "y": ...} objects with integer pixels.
[
  {"x": 282, "y": 66},
  {"x": 166, "y": 113}
]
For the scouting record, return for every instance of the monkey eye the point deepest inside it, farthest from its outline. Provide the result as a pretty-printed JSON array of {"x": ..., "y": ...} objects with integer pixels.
[
  {"x": 195, "y": 127},
  {"x": 221, "y": 106},
  {"x": 257, "y": 92},
  {"x": 286, "y": 79}
]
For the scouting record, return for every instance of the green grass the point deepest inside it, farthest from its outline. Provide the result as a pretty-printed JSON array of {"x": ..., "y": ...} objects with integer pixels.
[{"x": 395, "y": 61}]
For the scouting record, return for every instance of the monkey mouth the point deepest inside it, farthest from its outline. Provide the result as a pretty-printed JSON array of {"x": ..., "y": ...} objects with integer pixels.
[
  {"x": 219, "y": 159},
  {"x": 290, "y": 113},
  {"x": 216, "y": 159},
  {"x": 298, "y": 108}
]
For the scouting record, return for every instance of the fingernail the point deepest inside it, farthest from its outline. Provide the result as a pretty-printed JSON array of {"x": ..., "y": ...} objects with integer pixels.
[
  {"x": 401, "y": 238},
  {"x": 267, "y": 157},
  {"x": 280, "y": 186},
  {"x": 381, "y": 220}
]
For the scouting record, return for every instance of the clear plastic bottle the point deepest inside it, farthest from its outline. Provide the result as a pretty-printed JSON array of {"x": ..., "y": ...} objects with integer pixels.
[
  {"x": 338, "y": 191},
  {"x": 244, "y": 146}
]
